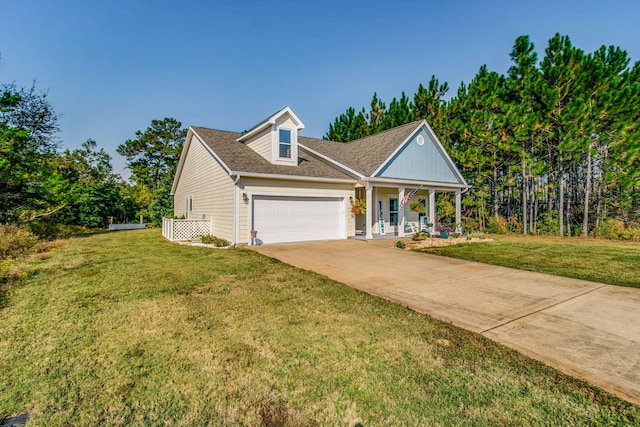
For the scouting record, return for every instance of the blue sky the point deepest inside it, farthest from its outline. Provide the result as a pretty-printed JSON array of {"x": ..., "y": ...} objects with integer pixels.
[{"x": 111, "y": 67}]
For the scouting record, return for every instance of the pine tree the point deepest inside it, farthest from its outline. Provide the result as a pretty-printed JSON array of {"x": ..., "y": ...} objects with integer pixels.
[
  {"x": 556, "y": 141},
  {"x": 523, "y": 122},
  {"x": 486, "y": 147},
  {"x": 348, "y": 126},
  {"x": 563, "y": 107},
  {"x": 400, "y": 112},
  {"x": 375, "y": 117},
  {"x": 428, "y": 104}
]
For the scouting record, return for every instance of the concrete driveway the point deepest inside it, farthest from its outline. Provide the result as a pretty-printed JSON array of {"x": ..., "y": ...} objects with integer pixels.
[{"x": 586, "y": 329}]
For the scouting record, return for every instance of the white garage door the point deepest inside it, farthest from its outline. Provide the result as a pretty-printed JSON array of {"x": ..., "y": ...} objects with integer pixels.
[{"x": 297, "y": 219}]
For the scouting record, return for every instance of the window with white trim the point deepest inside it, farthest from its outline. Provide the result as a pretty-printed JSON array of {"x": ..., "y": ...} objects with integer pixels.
[
  {"x": 188, "y": 207},
  {"x": 284, "y": 143},
  {"x": 393, "y": 211}
]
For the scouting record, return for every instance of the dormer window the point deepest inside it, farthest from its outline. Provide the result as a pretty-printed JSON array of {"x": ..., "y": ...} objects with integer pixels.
[
  {"x": 284, "y": 143},
  {"x": 276, "y": 138}
]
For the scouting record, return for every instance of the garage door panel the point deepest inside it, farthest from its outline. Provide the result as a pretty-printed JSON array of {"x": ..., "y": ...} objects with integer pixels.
[{"x": 295, "y": 219}]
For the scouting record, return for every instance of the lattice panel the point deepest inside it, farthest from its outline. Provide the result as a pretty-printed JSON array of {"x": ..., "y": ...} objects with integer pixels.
[{"x": 187, "y": 229}]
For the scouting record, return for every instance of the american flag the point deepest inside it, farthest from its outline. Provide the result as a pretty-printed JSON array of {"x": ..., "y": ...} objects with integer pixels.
[{"x": 407, "y": 197}]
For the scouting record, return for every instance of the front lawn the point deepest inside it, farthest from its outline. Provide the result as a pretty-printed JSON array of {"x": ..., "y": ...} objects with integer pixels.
[
  {"x": 124, "y": 328},
  {"x": 598, "y": 260}
]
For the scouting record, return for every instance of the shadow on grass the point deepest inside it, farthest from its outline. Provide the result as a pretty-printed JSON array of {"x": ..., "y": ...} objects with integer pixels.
[
  {"x": 3, "y": 295},
  {"x": 6, "y": 285}
]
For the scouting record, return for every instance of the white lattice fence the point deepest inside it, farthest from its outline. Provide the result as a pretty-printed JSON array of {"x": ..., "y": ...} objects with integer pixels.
[{"x": 185, "y": 229}]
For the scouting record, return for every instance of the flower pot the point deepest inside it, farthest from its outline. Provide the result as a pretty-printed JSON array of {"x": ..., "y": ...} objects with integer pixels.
[{"x": 444, "y": 234}]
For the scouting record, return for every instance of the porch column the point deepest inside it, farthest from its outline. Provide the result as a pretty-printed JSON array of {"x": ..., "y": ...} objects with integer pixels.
[
  {"x": 400, "y": 212},
  {"x": 432, "y": 208},
  {"x": 458, "y": 211},
  {"x": 369, "y": 213}
]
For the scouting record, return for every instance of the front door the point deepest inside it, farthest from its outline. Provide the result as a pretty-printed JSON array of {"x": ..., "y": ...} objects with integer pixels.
[{"x": 393, "y": 215}]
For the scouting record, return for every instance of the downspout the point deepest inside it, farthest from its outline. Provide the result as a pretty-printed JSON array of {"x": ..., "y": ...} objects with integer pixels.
[{"x": 236, "y": 210}]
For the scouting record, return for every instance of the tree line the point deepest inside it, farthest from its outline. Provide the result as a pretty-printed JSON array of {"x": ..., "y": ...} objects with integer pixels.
[
  {"x": 552, "y": 146},
  {"x": 47, "y": 188}
]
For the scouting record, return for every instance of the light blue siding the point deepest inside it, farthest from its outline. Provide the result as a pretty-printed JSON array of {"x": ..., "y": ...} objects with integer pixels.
[{"x": 420, "y": 162}]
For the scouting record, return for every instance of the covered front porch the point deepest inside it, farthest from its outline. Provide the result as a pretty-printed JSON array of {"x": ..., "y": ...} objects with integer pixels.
[{"x": 386, "y": 216}]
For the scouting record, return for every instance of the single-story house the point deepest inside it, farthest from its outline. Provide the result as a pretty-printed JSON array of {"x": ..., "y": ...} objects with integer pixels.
[{"x": 285, "y": 187}]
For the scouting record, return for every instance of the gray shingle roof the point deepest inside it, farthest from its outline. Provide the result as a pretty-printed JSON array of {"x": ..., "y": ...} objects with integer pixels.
[
  {"x": 238, "y": 157},
  {"x": 363, "y": 155}
]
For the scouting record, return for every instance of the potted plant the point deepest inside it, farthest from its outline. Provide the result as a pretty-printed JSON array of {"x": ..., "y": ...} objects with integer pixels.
[
  {"x": 418, "y": 207},
  {"x": 444, "y": 232},
  {"x": 359, "y": 207}
]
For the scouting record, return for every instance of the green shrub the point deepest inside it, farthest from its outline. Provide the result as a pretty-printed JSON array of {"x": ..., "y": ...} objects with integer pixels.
[
  {"x": 52, "y": 231},
  {"x": 470, "y": 224},
  {"x": 213, "y": 240},
  {"x": 513, "y": 225},
  {"x": 548, "y": 223},
  {"x": 617, "y": 230},
  {"x": 418, "y": 236},
  {"x": 476, "y": 235},
  {"x": 11, "y": 270},
  {"x": 497, "y": 225},
  {"x": 454, "y": 235},
  {"x": 400, "y": 244},
  {"x": 16, "y": 241}
]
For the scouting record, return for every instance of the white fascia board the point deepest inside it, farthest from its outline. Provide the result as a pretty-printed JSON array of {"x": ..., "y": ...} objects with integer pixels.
[
  {"x": 290, "y": 177},
  {"x": 394, "y": 182},
  {"x": 272, "y": 121},
  {"x": 183, "y": 155},
  {"x": 296, "y": 119},
  {"x": 330, "y": 160}
]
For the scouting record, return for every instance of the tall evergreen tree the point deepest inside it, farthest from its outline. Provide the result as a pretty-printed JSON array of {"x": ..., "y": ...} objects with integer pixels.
[
  {"x": 428, "y": 104},
  {"x": 348, "y": 126},
  {"x": 152, "y": 158},
  {"x": 522, "y": 118},
  {"x": 563, "y": 108},
  {"x": 400, "y": 112},
  {"x": 482, "y": 133},
  {"x": 556, "y": 142},
  {"x": 375, "y": 117}
]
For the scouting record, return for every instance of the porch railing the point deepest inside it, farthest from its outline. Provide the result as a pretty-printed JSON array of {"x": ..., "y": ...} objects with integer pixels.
[{"x": 185, "y": 229}]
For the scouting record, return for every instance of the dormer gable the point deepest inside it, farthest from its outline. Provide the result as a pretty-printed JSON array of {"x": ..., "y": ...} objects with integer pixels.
[{"x": 276, "y": 138}]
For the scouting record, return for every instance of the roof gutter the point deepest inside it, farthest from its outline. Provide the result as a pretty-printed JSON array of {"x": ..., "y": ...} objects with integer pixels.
[
  {"x": 290, "y": 177},
  {"x": 375, "y": 180}
]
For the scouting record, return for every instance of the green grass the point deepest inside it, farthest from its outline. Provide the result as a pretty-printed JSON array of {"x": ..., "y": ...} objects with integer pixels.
[
  {"x": 127, "y": 329},
  {"x": 603, "y": 261}
]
